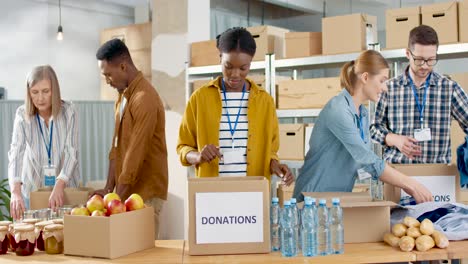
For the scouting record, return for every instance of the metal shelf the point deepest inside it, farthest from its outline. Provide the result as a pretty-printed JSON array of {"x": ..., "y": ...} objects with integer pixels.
[
  {"x": 293, "y": 164},
  {"x": 282, "y": 113},
  {"x": 256, "y": 65}
]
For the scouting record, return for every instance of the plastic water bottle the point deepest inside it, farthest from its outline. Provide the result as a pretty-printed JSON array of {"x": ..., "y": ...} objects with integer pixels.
[
  {"x": 323, "y": 232},
  {"x": 296, "y": 221},
  {"x": 336, "y": 227},
  {"x": 309, "y": 229},
  {"x": 288, "y": 243},
  {"x": 274, "y": 223}
]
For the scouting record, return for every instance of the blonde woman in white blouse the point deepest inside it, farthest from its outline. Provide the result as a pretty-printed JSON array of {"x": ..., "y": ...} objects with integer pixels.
[{"x": 44, "y": 146}]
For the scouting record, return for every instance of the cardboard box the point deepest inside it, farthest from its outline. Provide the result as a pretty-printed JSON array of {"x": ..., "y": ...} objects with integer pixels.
[
  {"x": 199, "y": 83},
  {"x": 142, "y": 60},
  {"x": 442, "y": 180},
  {"x": 308, "y": 134},
  {"x": 307, "y": 93},
  {"x": 358, "y": 212},
  {"x": 285, "y": 193},
  {"x": 72, "y": 196},
  {"x": 303, "y": 44},
  {"x": 229, "y": 199},
  {"x": 443, "y": 17},
  {"x": 347, "y": 34},
  {"x": 269, "y": 40},
  {"x": 291, "y": 142},
  {"x": 136, "y": 36},
  {"x": 109, "y": 237},
  {"x": 461, "y": 79},
  {"x": 463, "y": 21},
  {"x": 398, "y": 23},
  {"x": 204, "y": 53}
]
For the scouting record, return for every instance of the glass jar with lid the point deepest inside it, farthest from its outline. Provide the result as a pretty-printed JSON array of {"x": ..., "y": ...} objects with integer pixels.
[
  {"x": 4, "y": 241},
  {"x": 25, "y": 239},
  {"x": 39, "y": 231},
  {"x": 11, "y": 235},
  {"x": 6, "y": 224},
  {"x": 31, "y": 221},
  {"x": 53, "y": 237},
  {"x": 58, "y": 221}
]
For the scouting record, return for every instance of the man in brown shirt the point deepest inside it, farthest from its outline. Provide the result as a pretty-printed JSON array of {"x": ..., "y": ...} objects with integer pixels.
[{"x": 138, "y": 156}]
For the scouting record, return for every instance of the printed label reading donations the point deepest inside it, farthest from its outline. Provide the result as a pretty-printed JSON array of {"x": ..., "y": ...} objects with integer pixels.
[
  {"x": 229, "y": 217},
  {"x": 229, "y": 220}
]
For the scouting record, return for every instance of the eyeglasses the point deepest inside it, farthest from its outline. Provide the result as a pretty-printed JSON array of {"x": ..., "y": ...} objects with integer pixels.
[{"x": 420, "y": 62}]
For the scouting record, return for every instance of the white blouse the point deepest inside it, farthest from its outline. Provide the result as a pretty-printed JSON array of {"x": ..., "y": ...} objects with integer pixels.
[{"x": 28, "y": 151}]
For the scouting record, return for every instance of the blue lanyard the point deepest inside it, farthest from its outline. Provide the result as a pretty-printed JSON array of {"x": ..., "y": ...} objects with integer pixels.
[
  {"x": 232, "y": 129},
  {"x": 49, "y": 148},
  {"x": 423, "y": 106}
]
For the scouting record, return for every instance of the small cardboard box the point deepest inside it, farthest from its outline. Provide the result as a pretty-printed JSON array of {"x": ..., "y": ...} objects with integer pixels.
[
  {"x": 229, "y": 215},
  {"x": 204, "y": 53},
  {"x": 303, "y": 44},
  {"x": 269, "y": 40},
  {"x": 347, "y": 34},
  {"x": 308, "y": 134},
  {"x": 358, "y": 212},
  {"x": 398, "y": 23},
  {"x": 461, "y": 79},
  {"x": 307, "y": 93},
  {"x": 72, "y": 196},
  {"x": 142, "y": 61},
  {"x": 285, "y": 193},
  {"x": 291, "y": 142},
  {"x": 443, "y": 17},
  {"x": 463, "y": 20},
  {"x": 109, "y": 237},
  {"x": 442, "y": 180},
  {"x": 199, "y": 83}
]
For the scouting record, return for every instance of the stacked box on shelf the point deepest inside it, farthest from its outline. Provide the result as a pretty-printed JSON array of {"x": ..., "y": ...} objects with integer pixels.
[
  {"x": 303, "y": 44},
  {"x": 347, "y": 34},
  {"x": 291, "y": 142},
  {"x": 204, "y": 53},
  {"x": 269, "y": 40},
  {"x": 307, "y": 93},
  {"x": 399, "y": 22},
  {"x": 443, "y": 17},
  {"x": 463, "y": 20}
]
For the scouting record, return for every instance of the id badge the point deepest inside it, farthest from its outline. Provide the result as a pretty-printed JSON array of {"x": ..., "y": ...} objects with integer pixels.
[
  {"x": 423, "y": 134},
  {"x": 362, "y": 174},
  {"x": 50, "y": 174},
  {"x": 231, "y": 156}
]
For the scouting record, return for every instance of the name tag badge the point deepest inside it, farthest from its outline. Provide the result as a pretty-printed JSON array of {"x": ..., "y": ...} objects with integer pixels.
[
  {"x": 231, "y": 156},
  {"x": 50, "y": 174},
  {"x": 423, "y": 134},
  {"x": 362, "y": 174}
]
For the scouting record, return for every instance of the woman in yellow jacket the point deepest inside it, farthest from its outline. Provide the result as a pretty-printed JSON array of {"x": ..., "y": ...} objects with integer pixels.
[{"x": 230, "y": 127}]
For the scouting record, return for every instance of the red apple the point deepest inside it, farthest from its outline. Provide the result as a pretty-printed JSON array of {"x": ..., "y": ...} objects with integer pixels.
[
  {"x": 115, "y": 207},
  {"x": 134, "y": 202},
  {"x": 95, "y": 203},
  {"x": 109, "y": 197},
  {"x": 98, "y": 213},
  {"x": 80, "y": 211}
]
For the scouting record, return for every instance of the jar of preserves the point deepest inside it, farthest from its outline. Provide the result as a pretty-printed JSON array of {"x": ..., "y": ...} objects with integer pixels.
[
  {"x": 25, "y": 239},
  {"x": 11, "y": 236},
  {"x": 53, "y": 237},
  {"x": 39, "y": 231},
  {"x": 31, "y": 221},
  {"x": 4, "y": 241},
  {"x": 58, "y": 221}
]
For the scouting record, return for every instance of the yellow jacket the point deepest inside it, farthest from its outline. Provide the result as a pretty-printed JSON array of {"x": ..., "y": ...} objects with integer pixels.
[{"x": 200, "y": 126}]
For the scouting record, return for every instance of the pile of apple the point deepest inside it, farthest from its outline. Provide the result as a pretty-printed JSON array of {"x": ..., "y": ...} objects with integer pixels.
[{"x": 109, "y": 205}]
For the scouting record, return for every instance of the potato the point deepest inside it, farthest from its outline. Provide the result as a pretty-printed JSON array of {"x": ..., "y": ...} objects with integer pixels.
[
  {"x": 413, "y": 232},
  {"x": 411, "y": 222},
  {"x": 406, "y": 243},
  {"x": 391, "y": 239},
  {"x": 426, "y": 227},
  {"x": 440, "y": 239},
  {"x": 424, "y": 243},
  {"x": 399, "y": 230}
]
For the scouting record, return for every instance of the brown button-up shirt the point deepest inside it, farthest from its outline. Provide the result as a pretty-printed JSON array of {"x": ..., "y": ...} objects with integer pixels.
[{"x": 139, "y": 143}]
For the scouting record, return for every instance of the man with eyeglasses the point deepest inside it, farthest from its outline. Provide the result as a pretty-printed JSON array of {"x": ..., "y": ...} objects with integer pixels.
[{"x": 412, "y": 120}]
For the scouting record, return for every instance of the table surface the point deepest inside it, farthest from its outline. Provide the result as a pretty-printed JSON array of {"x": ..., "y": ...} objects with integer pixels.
[{"x": 176, "y": 251}]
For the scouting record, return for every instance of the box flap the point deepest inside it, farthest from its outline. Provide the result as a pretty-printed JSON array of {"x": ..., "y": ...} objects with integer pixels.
[
  {"x": 348, "y": 204},
  {"x": 439, "y": 7},
  {"x": 302, "y": 35},
  {"x": 426, "y": 169},
  {"x": 345, "y": 197},
  {"x": 290, "y": 128},
  {"x": 226, "y": 179},
  {"x": 403, "y": 12}
]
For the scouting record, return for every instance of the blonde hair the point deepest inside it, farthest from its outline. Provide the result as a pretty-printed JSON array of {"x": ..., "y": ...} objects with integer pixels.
[
  {"x": 369, "y": 61},
  {"x": 37, "y": 74}
]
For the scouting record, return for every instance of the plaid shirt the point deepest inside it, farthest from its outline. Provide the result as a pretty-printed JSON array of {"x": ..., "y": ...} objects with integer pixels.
[{"x": 397, "y": 113}]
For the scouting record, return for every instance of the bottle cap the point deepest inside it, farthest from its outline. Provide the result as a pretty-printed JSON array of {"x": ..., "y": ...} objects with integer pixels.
[
  {"x": 275, "y": 200},
  {"x": 335, "y": 200},
  {"x": 287, "y": 203},
  {"x": 322, "y": 202},
  {"x": 293, "y": 201}
]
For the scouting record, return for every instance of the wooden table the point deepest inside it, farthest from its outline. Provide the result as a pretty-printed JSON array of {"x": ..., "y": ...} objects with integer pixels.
[{"x": 176, "y": 251}]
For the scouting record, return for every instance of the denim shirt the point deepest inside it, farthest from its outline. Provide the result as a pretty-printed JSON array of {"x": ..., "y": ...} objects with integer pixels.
[{"x": 337, "y": 149}]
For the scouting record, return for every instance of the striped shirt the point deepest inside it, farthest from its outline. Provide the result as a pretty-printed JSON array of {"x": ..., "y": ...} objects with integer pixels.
[
  {"x": 28, "y": 152},
  {"x": 397, "y": 113},
  {"x": 234, "y": 102}
]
